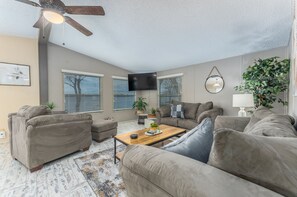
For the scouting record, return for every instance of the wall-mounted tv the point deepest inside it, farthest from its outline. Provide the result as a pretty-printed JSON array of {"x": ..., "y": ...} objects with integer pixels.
[{"x": 143, "y": 81}]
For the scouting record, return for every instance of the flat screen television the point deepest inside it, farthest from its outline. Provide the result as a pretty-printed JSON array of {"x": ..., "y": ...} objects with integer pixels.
[{"x": 143, "y": 81}]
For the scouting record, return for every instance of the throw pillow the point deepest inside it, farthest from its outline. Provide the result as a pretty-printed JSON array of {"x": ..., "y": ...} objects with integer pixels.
[
  {"x": 177, "y": 111},
  {"x": 190, "y": 110},
  {"x": 195, "y": 144},
  {"x": 266, "y": 161},
  {"x": 164, "y": 111},
  {"x": 204, "y": 107},
  {"x": 274, "y": 125},
  {"x": 258, "y": 115}
]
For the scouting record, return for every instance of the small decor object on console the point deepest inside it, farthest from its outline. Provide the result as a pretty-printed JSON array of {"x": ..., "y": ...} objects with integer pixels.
[{"x": 154, "y": 129}]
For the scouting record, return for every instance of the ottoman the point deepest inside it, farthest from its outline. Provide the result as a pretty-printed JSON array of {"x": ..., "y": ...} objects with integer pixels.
[{"x": 104, "y": 129}]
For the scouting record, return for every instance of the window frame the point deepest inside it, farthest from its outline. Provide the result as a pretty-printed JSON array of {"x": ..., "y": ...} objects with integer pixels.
[
  {"x": 167, "y": 77},
  {"x": 88, "y": 74},
  {"x": 113, "y": 93}
]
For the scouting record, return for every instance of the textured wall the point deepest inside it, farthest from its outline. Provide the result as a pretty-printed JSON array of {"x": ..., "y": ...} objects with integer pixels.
[
  {"x": 21, "y": 51},
  {"x": 61, "y": 58},
  {"x": 194, "y": 78}
]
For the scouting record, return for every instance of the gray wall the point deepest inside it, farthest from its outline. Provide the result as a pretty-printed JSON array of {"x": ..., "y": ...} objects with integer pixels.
[
  {"x": 194, "y": 78},
  {"x": 61, "y": 58}
]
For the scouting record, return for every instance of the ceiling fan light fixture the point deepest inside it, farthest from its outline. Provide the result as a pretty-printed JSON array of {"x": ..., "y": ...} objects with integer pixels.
[{"x": 53, "y": 16}]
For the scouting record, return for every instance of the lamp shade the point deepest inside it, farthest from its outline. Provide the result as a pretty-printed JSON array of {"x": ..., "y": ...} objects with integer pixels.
[{"x": 243, "y": 100}]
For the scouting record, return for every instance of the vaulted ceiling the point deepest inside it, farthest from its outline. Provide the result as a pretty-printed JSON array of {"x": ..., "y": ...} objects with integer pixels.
[{"x": 156, "y": 35}]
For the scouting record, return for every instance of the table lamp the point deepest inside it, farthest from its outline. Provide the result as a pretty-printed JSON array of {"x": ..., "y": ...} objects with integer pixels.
[{"x": 242, "y": 101}]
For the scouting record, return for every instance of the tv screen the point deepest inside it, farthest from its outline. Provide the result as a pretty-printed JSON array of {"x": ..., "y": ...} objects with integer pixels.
[{"x": 144, "y": 81}]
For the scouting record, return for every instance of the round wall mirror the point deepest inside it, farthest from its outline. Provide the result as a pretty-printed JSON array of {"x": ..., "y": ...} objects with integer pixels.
[{"x": 214, "y": 84}]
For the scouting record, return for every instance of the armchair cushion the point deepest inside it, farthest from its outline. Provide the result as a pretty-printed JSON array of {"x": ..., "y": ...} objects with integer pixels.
[
  {"x": 274, "y": 125},
  {"x": 59, "y": 118},
  {"x": 32, "y": 111},
  {"x": 195, "y": 144},
  {"x": 258, "y": 115},
  {"x": 204, "y": 107},
  {"x": 266, "y": 161}
]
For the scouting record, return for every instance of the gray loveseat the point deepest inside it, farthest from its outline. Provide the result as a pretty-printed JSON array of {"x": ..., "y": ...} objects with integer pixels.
[
  {"x": 249, "y": 158},
  {"x": 37, "y": 137},
  {"x": 194, "y": 113}
]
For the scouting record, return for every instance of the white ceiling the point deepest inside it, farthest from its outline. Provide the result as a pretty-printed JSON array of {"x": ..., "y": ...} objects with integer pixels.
[{"x": 156, "y": 35}]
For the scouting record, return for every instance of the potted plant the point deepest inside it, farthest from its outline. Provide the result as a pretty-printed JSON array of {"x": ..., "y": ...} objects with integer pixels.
[
  {"x": 153, "y": 111},
  {"x": 50, "y": 105},
  {"x": 154, "y": 126},
  {"x": 140, "y": 105},
  {"x": 266, "y": 79}
]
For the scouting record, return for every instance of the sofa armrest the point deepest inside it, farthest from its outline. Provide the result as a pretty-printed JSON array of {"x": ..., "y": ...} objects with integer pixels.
[
  {"x": 231, "y": 122},
  {"x": 148, "y": 171},
  {"x": 56, "y": 119},
  {"x": 213, "y": 113}
]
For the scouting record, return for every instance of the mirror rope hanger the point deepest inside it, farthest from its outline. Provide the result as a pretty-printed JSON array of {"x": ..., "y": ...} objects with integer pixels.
[{"x": 215, "y": 68}]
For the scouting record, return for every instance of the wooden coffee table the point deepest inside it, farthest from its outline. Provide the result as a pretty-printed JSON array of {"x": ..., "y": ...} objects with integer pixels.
[{"x": 168, "y": 132}]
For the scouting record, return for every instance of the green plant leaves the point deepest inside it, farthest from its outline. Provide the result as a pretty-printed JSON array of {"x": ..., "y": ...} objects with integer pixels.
[{"x": 266, "y": 79}]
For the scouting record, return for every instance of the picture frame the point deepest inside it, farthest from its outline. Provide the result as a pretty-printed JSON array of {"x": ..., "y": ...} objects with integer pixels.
[{"x": 12, "y": 74}]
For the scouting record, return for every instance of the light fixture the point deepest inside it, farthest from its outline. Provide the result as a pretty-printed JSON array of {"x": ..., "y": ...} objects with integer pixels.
[
  {"x": 53, "y": 16},
  {"x": 242, "y": 101},
  {"x": 216, "y": 84}
]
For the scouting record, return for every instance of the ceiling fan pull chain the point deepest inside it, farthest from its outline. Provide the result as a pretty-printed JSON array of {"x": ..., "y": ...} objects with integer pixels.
[{"x": 63, "y": 34}]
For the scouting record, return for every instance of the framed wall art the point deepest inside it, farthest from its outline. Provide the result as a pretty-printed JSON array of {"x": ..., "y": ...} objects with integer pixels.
[{"x": 14, "y": 74}]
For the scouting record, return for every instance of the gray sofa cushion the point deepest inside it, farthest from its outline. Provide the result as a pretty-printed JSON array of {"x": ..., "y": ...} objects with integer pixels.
[
  {"x": 165, "y": 111},
  {"x": 195, "y": 144},
  {"x": 273, "y": 125},
  {"x": 259, "y": 114},
  {"x": 204, "y": 107},
  {"x": 169, "y": 121},
  {"x": 266, "y": 161},
  {"x": 186, "y": 123},
  {"x": 190, "y": 110}
]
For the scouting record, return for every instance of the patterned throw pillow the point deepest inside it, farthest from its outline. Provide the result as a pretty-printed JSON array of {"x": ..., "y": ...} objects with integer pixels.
[{"x": 177, "y": 111}]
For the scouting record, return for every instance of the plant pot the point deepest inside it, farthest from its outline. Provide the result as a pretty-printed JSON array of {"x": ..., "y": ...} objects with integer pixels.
[{"x": 139, "y": 112}]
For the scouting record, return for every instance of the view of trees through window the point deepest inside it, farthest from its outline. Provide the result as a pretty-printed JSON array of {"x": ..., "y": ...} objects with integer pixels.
[
  {"x": 82, "y": 93},
  {"x": 169, "y": 89},
  {"x": 122, "y": 97}
]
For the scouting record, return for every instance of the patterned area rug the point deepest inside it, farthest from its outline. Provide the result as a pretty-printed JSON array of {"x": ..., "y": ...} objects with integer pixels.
[{"x": 102, "y": 174}]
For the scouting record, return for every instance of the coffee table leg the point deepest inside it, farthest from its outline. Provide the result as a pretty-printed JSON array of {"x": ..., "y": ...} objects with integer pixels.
[{"x": 115, "y": 151}]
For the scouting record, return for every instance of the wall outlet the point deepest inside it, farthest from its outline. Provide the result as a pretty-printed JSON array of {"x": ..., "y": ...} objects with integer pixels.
[{"x": 2, "y": 134}]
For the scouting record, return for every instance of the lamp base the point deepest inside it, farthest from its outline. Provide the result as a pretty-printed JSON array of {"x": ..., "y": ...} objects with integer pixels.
[{"x": 242, "y": 112}]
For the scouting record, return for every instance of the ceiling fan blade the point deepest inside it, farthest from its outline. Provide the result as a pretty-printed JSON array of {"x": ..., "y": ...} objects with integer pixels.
[
  {"x": 85, "y": 10},
  {"x": 29, "y": 2},
  {"x": 77, "y": 26},
  {"x": 41, "y": 23}
]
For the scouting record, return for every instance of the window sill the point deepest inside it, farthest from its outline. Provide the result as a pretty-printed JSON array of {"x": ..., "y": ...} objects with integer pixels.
[
  {"x": 123, "y": 109},
  {"x": 97, "y": 111}
]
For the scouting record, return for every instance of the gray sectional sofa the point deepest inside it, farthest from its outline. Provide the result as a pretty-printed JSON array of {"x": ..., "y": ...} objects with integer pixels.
[
  {"x": 250, "y": 157},
  {"x": 194, "y": 113}
]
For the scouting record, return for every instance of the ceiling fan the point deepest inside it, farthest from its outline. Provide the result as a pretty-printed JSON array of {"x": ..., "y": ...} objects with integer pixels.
[{"x": 53, "y": 11}]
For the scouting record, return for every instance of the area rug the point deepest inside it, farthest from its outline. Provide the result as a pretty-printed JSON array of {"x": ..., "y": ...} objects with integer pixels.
[{"x": 102, "y": 174}]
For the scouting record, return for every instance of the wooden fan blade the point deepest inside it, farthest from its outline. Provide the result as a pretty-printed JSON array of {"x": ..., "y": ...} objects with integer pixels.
[
  {"x": 85, "y": 10},
  {"x": 77, "y": 26},
  {"x": 41, "y": 23},
  {"x": 29, "y": 2}
]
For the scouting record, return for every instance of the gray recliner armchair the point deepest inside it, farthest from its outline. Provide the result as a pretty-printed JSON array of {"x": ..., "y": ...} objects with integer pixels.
[{"x": 37, "y": 136}]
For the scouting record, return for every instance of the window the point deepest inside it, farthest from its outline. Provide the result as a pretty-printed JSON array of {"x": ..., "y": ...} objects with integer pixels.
[
  {"x": 82, "y": 92},
  {"x": 169, "y": 89},
  {"x": 122, "y": 97}
]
